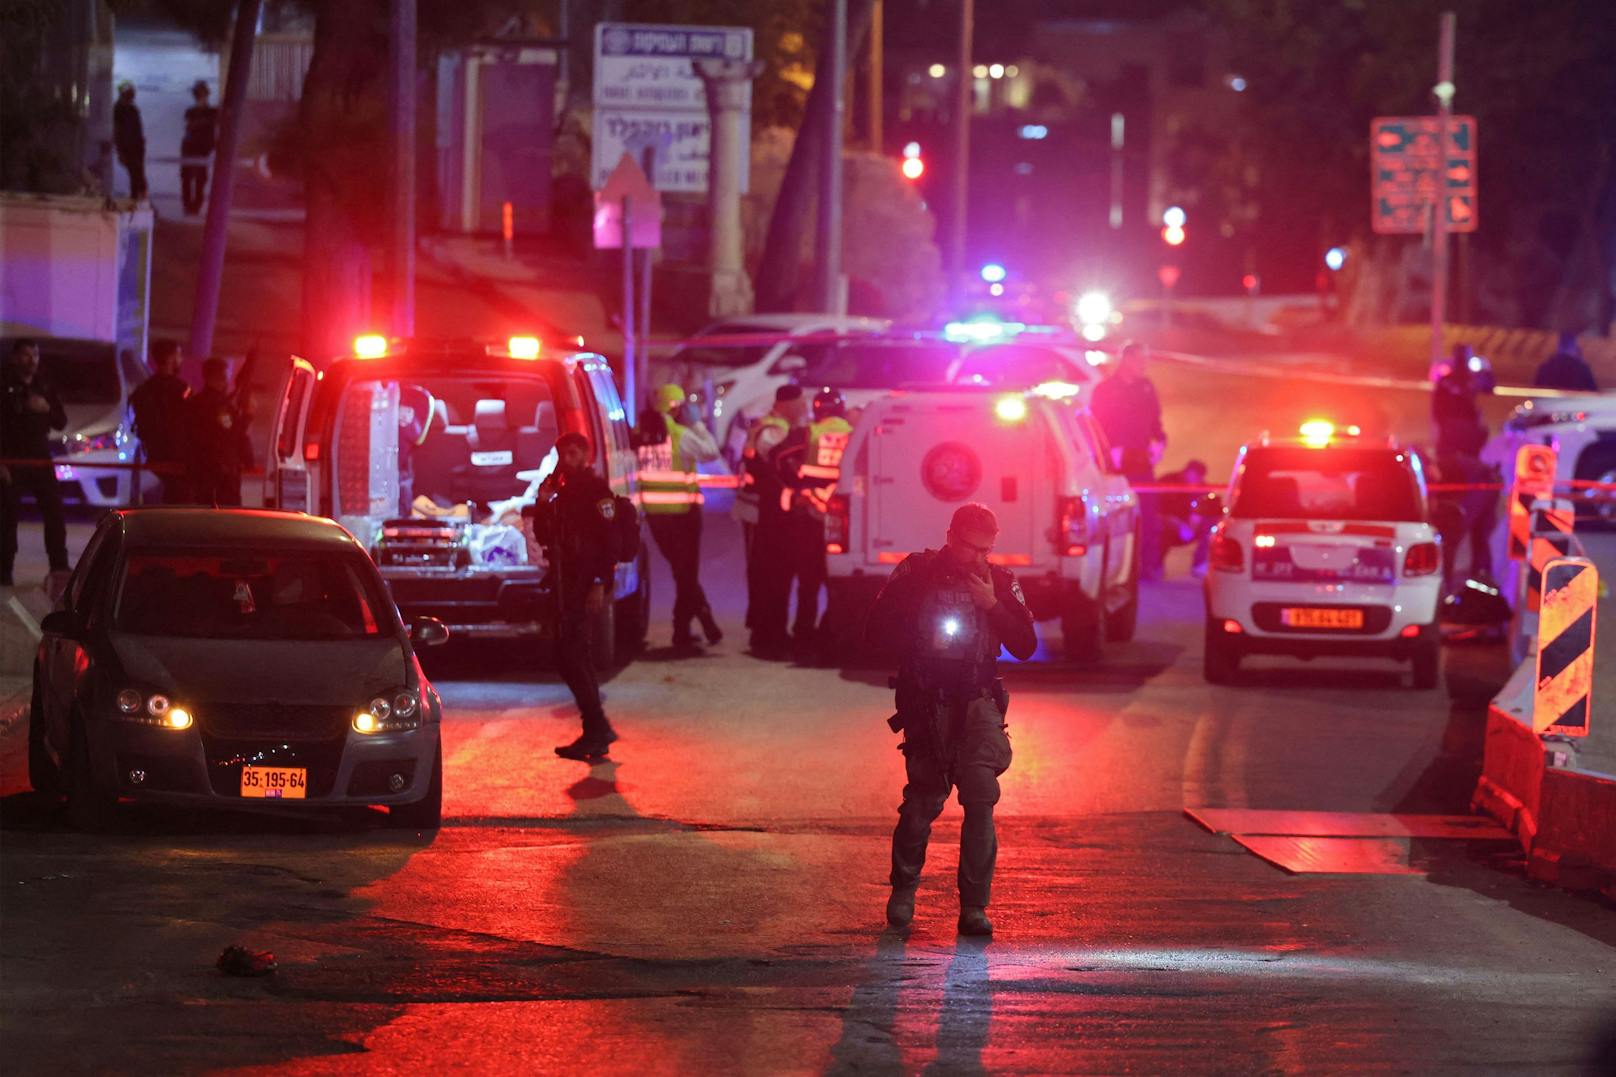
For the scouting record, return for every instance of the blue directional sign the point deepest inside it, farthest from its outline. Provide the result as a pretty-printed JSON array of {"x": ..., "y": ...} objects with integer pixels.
[{"x": 1411, "y": 171}]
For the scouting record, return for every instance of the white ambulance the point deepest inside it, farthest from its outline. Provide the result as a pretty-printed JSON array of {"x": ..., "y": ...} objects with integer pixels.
[{"x": 1068, "y": 524}]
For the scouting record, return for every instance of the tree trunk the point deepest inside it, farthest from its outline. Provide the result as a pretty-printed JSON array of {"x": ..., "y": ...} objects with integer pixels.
[
  {"x": 344, "y": 155},
  {"x": 780, "y": 269}
]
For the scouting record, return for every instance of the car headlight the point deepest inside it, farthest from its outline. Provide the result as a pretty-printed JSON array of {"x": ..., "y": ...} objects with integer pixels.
[
  {"x": 152, "y": 709},
  {"x": 389, "y": 714}
]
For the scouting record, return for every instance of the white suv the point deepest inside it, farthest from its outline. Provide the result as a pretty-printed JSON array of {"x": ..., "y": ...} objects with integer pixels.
[
  {"x": 1580, "y": 429},
  {"x": 1326, "y": 548},
  {"x": 1068, "y": 525},
  {"x": 749, "y": 358}
]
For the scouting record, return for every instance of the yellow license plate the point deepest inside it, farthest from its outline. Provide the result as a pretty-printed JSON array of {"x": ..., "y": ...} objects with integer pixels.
[
  {"x": 275, "y": 783},
  {"x": 1305, "y": 617}
]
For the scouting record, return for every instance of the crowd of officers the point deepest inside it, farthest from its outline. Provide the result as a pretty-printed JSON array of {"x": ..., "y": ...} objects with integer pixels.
[
  {"x": 789, "y": 468},
  {"x": 195, "y": 442}
]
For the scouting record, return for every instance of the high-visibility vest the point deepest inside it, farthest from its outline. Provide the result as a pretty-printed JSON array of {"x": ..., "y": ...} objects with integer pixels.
[
  {"x": 822, "y": 462},
  {"x": 746, "y": 496},
  {"x": 669, "y": 483}
]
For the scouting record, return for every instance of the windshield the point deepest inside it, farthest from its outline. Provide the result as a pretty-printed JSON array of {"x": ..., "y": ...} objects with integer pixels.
[
  {"x": 81, "y": 371},
  {"x": 243, "y": 595},
  {"x": 883, "y": 365},
  {"x": 1328, "y": 484},
  {"x": 750, "y": 343},
  {"x": 1020, "y": 366}
]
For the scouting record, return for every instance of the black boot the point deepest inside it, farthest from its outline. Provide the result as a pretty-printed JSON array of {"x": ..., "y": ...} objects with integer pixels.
[
  {"x": 901, "y": 906},
  {"x": 973, "y": 920},
  {"x": 709, "y": 625},
  {"x": 683, "y": 638},
  {"x": 591, "y": 745}
]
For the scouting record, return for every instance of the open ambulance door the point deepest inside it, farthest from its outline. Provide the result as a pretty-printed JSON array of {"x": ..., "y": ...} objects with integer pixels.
[{"x": 277, "y": 393}]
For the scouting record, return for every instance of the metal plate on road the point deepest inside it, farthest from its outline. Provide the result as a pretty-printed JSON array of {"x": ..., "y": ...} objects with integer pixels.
[
  {"x": 275, "y": 783},
  {"x": 1345, "y": 824},
  {"x": 1332, "y": 856}
]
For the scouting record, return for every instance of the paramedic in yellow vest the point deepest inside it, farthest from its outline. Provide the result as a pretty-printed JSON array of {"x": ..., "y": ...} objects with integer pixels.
[
  {"x": 810, "y": 465},
  {"x": 758, "y": 479},
  {"x": 670, "y": 443}
]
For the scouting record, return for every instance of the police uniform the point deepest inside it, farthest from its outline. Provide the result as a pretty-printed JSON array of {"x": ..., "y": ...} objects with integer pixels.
[
  {"x": 670, "y": 490},
  {"x": 1461, "y": 434},
  {"x": 216, "y": 438},
  {"x": 951, "y": 707},
  {"x": 159, "y": 407},
  {"x": 768, "y": 580},
  {"x": 810, "y": 465},
  {"x": 25, "y": 435},
  {"x": 575, "y": 528}
]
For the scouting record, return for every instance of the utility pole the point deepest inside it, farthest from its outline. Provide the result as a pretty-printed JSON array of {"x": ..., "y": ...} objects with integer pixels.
[
  {"x": 962, "y": 145},
  {"x": 829, "y": 246},
  {"x": 1439, "y": 209},
  {"x": 872, "y": 96},
  {"x": 403, "y": 131},
  {"x": 726, "y": 83},
  {"x": 210, "y": 267}
]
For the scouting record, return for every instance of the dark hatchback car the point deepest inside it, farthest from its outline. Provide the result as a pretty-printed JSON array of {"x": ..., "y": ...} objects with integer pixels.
[{"x": 234, "y": 658}]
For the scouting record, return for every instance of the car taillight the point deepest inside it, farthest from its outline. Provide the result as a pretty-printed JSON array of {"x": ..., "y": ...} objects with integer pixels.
[
  {"x": 1072, "y": 528},
  {"x": 1226, "y": 555},
  {"x": 836, "y": 524},
  {"x": 1422, "y": 559}
]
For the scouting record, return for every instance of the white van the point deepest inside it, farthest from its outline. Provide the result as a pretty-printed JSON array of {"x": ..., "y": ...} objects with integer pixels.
[{"x": 1068, "y": 525}]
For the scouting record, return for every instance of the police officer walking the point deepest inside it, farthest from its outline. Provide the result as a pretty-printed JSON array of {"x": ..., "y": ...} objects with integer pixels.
[
  {"x": 29, "y": 411},
  {"x": 670, "y": 443},
  {"x": 950, "y": 611},
  {"x": 768, "y": 573},
  {"x": 572, "y": 520},
  {"x": 159, "y": 407},
  {"x": 810, "y": 465},
  {"x": 1128, "y": 410},
  {"x": 1461, "y": 434},
  {"x": 216, "y": 438}
]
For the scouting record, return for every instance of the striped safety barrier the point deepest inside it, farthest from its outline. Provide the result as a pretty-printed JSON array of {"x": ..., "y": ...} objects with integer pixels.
[
  {"x": 1562, "y": 699},
  {"x": 1534, "y": 479},
  {"x": 1551, "y": 539}
]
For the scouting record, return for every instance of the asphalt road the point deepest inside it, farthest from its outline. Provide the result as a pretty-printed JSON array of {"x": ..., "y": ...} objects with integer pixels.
[{"x": 711, "y": 901}]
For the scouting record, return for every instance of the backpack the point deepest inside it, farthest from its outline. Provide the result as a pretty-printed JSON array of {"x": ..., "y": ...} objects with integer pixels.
[{"x": 624, "y": 541}]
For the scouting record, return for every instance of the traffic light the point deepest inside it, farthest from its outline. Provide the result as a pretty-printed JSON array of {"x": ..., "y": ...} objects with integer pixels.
[
  {"x": 1173, "y": 218},
  {"x": 913, "y": 166}
]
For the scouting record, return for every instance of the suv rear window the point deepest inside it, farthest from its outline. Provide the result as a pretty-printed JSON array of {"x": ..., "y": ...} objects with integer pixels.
[{"x": 1328, "y": 484}]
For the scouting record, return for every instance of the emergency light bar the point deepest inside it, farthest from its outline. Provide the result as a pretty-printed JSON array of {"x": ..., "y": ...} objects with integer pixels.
[
  {"x": 369, "y": 346},
  {"x": 523, "y": 347}
]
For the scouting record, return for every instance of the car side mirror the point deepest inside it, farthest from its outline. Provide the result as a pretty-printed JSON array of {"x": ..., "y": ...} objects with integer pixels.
[
  {"x": 428, "y": 632},
  {"x": 59, "y": 623},
  {"x": 791, "y": 364}
]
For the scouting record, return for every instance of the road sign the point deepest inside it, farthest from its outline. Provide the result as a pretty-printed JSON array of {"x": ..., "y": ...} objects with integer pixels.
[
  {"x": 1410, "y": 170},
  {"x": 646, "y": 84},
  {"x": 681, "y": 164},
  {"x": 628, "y": 183}
]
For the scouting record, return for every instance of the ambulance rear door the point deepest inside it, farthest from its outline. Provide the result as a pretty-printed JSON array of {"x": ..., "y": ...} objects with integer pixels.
[
  {"x": 932, "y": 453},
  {"x": 277, "y": 394}
]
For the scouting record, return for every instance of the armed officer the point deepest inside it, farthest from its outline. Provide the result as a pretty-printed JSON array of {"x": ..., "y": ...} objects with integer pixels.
[
  {"x": 950, "y": 612},
  {"x": 572, "y": 520}
]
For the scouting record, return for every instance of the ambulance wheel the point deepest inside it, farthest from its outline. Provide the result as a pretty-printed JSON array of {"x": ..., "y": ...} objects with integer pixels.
[
  {"x": 1083, "y": 628},
  {"x": 1428, "y": 663},
  {"x": 603, "y": 637},
  {"x": 1222, "y": 660},
  {"x": 1122, "y": 622}
]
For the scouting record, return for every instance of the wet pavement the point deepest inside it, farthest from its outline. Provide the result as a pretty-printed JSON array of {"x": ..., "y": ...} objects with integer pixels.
[{"x": 711, "y": 900}]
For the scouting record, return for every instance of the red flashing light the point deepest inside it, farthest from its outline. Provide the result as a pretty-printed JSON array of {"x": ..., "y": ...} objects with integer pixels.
[
  {"x": 1249, "y": 282},
  {"x": 913, "y": 168},
  {"x": 1173, "y": 235}
]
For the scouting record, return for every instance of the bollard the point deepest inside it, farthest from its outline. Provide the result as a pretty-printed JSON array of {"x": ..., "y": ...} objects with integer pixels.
[{"x": 1562, "y": 692}]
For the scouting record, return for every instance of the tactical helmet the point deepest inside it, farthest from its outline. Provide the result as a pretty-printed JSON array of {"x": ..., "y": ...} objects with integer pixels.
[{"x": 828, "y": 402}]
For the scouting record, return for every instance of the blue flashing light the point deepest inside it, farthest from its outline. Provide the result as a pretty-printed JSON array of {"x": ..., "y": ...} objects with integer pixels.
[
  {"x": 1335, "y": 257},
  {"x": 993, "y": 273}
]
